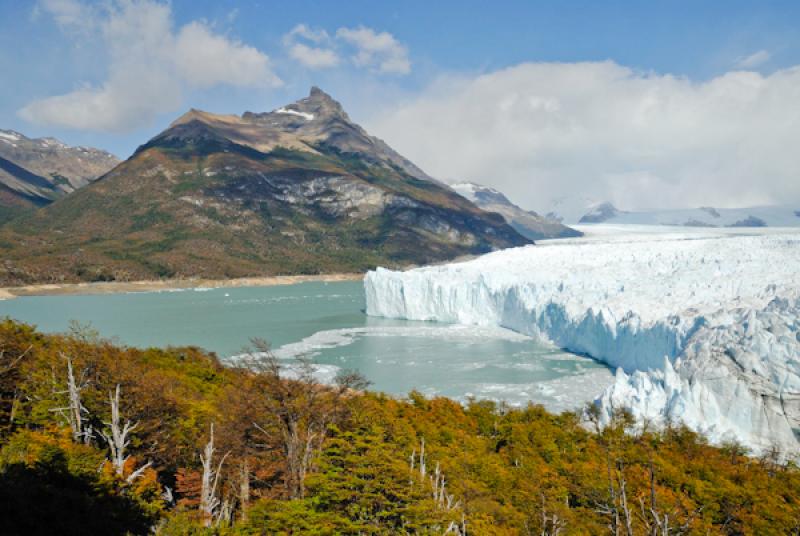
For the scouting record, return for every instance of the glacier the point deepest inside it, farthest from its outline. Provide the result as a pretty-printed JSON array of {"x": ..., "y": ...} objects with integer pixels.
[{"x": 703, "y": 326}]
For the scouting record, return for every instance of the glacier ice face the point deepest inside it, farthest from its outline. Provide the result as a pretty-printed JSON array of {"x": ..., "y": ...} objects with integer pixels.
[{"x": 704, "y": 326}]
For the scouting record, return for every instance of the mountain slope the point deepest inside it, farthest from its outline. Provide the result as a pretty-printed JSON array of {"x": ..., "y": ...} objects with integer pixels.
[
  {"x": 298, "y": 190},
  {"x": 583, "y": 210},
  {"x": 527, "y": 223},
  {"x": 35, "y": 172}
]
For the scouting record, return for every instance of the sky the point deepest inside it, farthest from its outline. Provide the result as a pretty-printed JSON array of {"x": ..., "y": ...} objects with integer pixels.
[{"x": 644, "y": 104}]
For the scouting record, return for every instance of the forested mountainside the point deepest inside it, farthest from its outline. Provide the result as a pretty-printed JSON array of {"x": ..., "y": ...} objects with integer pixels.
[
  {"x": 299, "y": 190},
  {"x": 101, "y": 439}
]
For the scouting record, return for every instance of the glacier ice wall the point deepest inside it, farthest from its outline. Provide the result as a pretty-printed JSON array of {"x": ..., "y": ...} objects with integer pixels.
[{"x": 703, "y": 326}]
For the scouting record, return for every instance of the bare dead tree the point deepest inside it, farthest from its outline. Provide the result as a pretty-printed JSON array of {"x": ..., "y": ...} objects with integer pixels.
[
  {"x": 74, "y": 413},
  {"x": 610, "y": 509},
  {"x": 623, "y": 498},
  {"x": 117, "y": 438},
  {"x": 168, "y": 496},
  {"x": 225, "y": 513},
  {"x": 7, "y": 367},
  {"x": 9, "y": 392},
  {"x": 660, "y": 523},
  {"x": 442, "y": 499},
  {"x": 301, "y": 410},
  {"x": 771, "y": 459},
  {"x": 552, "y": 524},
  {"x": 244, "y": 488},
  {"x": 209, "y": 502},
  {"x": 617, "y": 507}
]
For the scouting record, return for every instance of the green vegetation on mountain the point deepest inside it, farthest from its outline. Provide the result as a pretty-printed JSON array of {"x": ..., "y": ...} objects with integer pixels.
[
  {"x": 262, "y": 194},
  {"x": 291, "y": 456}
]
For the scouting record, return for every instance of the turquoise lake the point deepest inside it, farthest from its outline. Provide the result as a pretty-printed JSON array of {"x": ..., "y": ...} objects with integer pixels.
[{"x": 326, "y": 322}]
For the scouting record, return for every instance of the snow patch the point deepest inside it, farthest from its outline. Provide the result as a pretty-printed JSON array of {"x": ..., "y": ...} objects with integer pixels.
[{"x": 305, "y": 115}]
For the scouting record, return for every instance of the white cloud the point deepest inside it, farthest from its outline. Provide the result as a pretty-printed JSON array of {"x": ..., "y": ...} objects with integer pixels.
[
  {"x": 313, "y": 57},
  {"x": 603, "y": 131},
  {"x": 378, "y": 51},
  {"x": 204, "y": 59},
  {"x": 72, "y": 15},
  {"x": 305, "y": 32},
  {"x": 753, "y": 60},
  {"x": 317, "y": 55},
  {"x": 150, "y": 65}
]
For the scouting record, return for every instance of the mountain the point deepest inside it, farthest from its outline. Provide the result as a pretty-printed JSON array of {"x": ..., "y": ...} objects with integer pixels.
[
  {"x": 570, "y": 209},
  {"x": 584, "y": 210},
  {"x": 765, "y": 216},
  {"x": 35, "y": 172},
  {"x": 301, "y": 189},
  {"x": 601, "y": 213},
  {"x": 527, "y": 223}
]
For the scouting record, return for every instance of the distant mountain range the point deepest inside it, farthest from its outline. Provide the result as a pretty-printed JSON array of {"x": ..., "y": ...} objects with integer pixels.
[
  {"x": 526, "y": 222},
  {"x": 301, "y": 189},
  {"x": 766, "y": 216},
  {"x": 580, "y": 210},
  {"x": 35, "y": 172}
]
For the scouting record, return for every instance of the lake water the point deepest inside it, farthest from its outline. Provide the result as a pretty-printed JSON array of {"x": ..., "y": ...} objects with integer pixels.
[{"x": 326, "y": 322}]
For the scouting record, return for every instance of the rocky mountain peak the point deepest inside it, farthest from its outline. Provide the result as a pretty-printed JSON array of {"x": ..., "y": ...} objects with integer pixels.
[
  {"x": 322, "y": 104},
  {"x": 36, "y": 171},
  {"x": 66, "y": 167},
  {"x": 318, "y": 107},
  {"x": 312, "y": 124},
  {"x": 477, "y": 193},
  {"x": 528, "y": 223},
  {"x": 600, "y": 213}
]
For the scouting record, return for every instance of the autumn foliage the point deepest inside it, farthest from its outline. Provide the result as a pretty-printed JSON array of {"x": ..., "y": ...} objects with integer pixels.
[{"x": 295, "y": 457}]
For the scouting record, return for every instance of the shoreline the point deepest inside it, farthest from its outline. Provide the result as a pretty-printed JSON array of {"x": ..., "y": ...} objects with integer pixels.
[{"x": 119, "y": 287}]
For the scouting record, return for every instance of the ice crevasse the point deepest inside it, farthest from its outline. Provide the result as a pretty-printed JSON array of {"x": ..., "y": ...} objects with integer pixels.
[{"x": 703, "y": 328}]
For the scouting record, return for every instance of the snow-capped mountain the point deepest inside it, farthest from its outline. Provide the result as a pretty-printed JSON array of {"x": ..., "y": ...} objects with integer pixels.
[
  {"x": 600, "y": 213},
  {"x": 527, "y": 223},
  {"x": 313, "y": 124},
  {"x": 574, "y": 210},
  {"x": 66, "y": 166},
  {"x": 36, "y": 171},
  {"x": 702, "y": 324},
  {"x": 767, "y": 216},
  {"x": 570, "y": 209}
]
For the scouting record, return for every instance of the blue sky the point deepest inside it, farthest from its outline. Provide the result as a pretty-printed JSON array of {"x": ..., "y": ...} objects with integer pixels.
[{"x": 432, "y": 45}]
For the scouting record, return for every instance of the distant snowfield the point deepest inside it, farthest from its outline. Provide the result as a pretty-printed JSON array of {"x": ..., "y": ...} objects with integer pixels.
[
  {"x": 772, "y": 216},
  {"x": 703, "y": 324}
]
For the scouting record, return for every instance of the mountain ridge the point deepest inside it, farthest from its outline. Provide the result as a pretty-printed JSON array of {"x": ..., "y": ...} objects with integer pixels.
[
  {"x": 36, "y": 171},
  {"x": 526, "y": 222},
  {"x": 275, "y": 193},
  {"x": 585, "y": 211}
]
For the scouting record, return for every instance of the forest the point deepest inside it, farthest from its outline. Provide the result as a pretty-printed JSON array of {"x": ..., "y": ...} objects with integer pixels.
[{"x": 99, "y": 438}]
